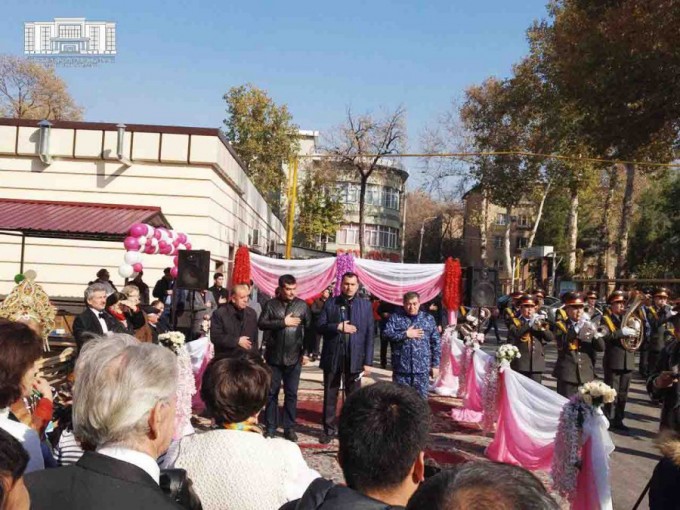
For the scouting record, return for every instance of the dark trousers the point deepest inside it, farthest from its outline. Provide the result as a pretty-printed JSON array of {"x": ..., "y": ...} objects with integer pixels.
[
  {"x": 384, "y": 342},
  {"x": 644, "y": 365},
  {"x": 620, "y": 381},
  {"x": 536, "y": 376},
  {"x": 652, "y": 361},
  {"x": 331, "y": 388},
  {"x": 290, "y": 375},
  {"x": 494, "y": 325},
  {"x": 566, "y": 389},
  {"x": 312, "y": 340}
]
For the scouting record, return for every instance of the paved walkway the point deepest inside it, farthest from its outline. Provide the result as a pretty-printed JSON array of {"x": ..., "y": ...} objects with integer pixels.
[{"x": 635, "y": 456}]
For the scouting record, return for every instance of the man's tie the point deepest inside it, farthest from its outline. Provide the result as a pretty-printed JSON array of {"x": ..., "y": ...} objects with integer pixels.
[{"x": 101, "y": 315}]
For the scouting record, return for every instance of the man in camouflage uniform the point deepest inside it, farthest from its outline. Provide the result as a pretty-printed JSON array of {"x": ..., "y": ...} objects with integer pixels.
[
  {"x": 416, "y": 346},
  {"x": 576, "y": 347},
  {"x": 529, "y": 338}
]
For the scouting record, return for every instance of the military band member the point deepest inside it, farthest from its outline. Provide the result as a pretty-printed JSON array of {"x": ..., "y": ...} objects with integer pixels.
[
  {"x": 661, "y": 327},
  {"x": 539, "y": 297},
  {"x": 512, "y": 310},
  {"x": 529, "y": 333},
  {"x": 618, "y": 362},
  {"x": 663, "y": 382},
  {"x": 577, "y": 345},
  {"x": 591, "y": 309}
]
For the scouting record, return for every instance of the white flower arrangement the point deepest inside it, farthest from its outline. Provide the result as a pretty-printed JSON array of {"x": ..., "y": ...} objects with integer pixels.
[
  {"x": 596, "y": 393},
  {"x": 507, "y": 352},
  {"x": 173, "y": 340}
]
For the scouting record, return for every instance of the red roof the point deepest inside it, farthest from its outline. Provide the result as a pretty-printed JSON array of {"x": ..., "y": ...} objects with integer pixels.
[{"x": 75, "y": 220}]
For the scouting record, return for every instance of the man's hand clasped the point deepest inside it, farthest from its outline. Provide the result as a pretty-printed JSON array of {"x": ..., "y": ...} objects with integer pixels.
[
  {"x": 346, "y": 327},
  {"x": 414, "y": 333},
  {"x": 291, "y": 321}
]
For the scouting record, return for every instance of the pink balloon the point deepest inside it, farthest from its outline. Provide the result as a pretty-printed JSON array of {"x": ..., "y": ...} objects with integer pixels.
[
  {"x": 175, "y": 260},
  {"x": 162, "y": 244},
  {"x": 188, "y": 246},
  {"x": 176, "y": 243},
  {"x": 137, "y": 267},
  {"x": 182, "y": 238},
  {"x": 174, "y": 272},
  {"x": 157, "y": 234},
  {"x": 150, "y": 249},
  {"x": 131, "y": 243},
  {"x": 165, "y": 250},
  {"x": 138, "y": 229}
]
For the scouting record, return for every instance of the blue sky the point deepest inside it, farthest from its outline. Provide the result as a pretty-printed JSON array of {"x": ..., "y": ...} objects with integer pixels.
[{"x": 177, "y": 58}]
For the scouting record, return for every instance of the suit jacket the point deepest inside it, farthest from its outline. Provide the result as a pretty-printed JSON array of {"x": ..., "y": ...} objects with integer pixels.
[
  {"x": 575, "y": 356},
  {"x": 359, "y": 344},
  {"x": 530, "y": 344},
  {"x": 87, "y": 325},
  {"x": 226, "y": 328},
  {"x": 96, "y": 481}
]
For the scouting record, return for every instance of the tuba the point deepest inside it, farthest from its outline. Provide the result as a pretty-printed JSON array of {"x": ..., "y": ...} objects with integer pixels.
[
  {"x": 475, "y": 321},
  {"x": 632, "y": 343}
]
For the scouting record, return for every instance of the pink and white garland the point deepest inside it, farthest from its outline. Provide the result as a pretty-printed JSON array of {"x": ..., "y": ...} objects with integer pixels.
[
  {"x": 490, "y": 394},
  {"x": 567, "y": 457},
  {"x": 465, "y": 365},
  {"x": 186, "y": 388},
  {"x": 144, "y": 238}
]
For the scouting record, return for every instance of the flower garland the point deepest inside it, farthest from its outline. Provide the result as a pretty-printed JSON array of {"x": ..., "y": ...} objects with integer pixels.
[
  {"x": 173, "y": 340},
  {"x": 465, "y": 364},
  {"x": 490, "y": 394},
  {"x": 343, "y": 264},
  {"x": 186, "y": 388},
  {"x": 566, "y": 461},
  {"x": 241, "y": 272}
]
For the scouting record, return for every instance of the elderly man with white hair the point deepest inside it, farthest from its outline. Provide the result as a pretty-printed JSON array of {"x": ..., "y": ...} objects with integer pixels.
[{"x": 124, "y": 410}]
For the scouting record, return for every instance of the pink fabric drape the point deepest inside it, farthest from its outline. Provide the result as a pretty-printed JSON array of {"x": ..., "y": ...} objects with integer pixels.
[
  {"x": 393, "y": 290},
  {"x": 307, "y": 286},
  {"x": 512, "y": 444},
  {"x": 586, "y": 488},
  {"x": 449, "y": 367},
  {"x": 471, "y": 412},
  {"x": 197, "y": 404}
]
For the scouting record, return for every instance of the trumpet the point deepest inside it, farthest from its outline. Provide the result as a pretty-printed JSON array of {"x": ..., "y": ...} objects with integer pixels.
[
  {"x": 541, "y": 322},
  {"x": 475, "y": 320}
]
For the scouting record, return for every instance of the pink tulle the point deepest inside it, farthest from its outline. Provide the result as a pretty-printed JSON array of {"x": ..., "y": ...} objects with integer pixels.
[
  {"x": 449, "y": 370},
  {"x": 197, "y": 403},
  {"x": 471, "y": 412},
  {"x": 307, "y": 286},
  {"x": 512, "y": 445},
  {"x": 393, "y": 290},
  {"x": 586, "y": 488},
  {"x": 186, "y": 390}
]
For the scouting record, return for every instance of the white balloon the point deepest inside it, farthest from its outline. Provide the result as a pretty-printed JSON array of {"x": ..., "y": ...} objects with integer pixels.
[
  {"x": 125, "y": 270},
  {"x": 165, "y": 237},
  {"x": 132, "y": 257},
  {"x": 150, "y": 230},
  {"x": 142, "y": 240},
  {"x": 154, "y": 242}
]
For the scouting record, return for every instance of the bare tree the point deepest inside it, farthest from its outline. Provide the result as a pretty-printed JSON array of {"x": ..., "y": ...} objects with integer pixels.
[
  {"x": 29, "y": 90},
  {"x": 364, "y": 142}
]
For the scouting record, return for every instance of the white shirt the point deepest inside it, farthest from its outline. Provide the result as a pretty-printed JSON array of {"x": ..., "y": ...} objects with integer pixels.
[
  {"x": 27, "y": 437},
  {"x": 139, "y": 459},
  {"x": 105, "y": 328}
]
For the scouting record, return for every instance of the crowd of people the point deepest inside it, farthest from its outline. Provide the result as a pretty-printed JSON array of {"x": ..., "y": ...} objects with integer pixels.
[{"x": 114, "y": 443}]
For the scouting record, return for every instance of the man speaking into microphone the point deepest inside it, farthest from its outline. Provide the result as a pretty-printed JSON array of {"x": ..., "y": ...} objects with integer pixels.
[{"x": 346, "y": 323}]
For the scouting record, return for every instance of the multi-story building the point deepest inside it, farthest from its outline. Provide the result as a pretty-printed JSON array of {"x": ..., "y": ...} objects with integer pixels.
[{"x": 384, "y": 205}]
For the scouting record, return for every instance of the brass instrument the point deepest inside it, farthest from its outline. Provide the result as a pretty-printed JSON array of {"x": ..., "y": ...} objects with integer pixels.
[
  {"x": 632, "y": 343},
  {"x": 475, "y": 320},
  {"x": 541, "y": 322}
]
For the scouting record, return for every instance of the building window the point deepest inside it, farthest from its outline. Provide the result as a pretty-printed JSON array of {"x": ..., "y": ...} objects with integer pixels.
[
  {"x": 45, "y": 38},
  {"x": 523, "y": 220},
  {"x": 69, "y": 31},
  {"x": 373, "y": 195},
  {"x": 390, "y": 198},
  {"x": 348, "y": 234},
  {"x": 522, "y": 242},
  {"x": 498, "y": 264},
  {"x": 378, "y": 236},
  {"x": 110, "y": 39},
  {"x": 348, "y": 193},
  {"x": 498, "y": 241},
  {"x": 29, "y": 39},
  {"x": 94, "y": 39},
  {"x": 501, "y": 219}
]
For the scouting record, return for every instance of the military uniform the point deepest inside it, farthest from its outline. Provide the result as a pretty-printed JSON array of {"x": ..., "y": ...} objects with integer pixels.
[
  {"x": 670, "y": 413},
  {"x": 618, "y": 364},
  {"x": 413, "y": 358},
  {"x": 530, "y": 343},
  {"x": 661, "y": 332},
  {"x": 576, "y": 354}
]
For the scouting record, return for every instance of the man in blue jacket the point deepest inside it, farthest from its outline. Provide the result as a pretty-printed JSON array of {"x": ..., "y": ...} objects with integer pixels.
[
  {"x": 416, "y": 346},
  {"x": 346, "y": 323}
]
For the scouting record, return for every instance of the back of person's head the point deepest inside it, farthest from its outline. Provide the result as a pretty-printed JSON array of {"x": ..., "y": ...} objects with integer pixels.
[
  {"x": 235, "y": 387},
  {"x": 382, "y": 431},
  {"x": 20, "y": 348},
  {"x": 482, "y": 486},
  {"x": 13, "y": 462},
  {"x": 118, "y": 381}
]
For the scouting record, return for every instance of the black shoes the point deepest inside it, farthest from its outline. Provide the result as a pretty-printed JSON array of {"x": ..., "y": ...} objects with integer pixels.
[
  {"x": 326, "y": 438},
  {"x": 619, "y": 426},
  {"x": 270, "y": 433},
  {"x": 290, "y": 435}
]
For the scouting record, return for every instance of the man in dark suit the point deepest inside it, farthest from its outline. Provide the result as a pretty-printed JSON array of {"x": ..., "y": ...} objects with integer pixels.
[
  {"x": 234, "y": 326},
  {"x": 346, "y": 323},
  {"x": 95, "y": 320},
  {"x": 129, "y": 429},
  {"x": 220, "y": 294}
]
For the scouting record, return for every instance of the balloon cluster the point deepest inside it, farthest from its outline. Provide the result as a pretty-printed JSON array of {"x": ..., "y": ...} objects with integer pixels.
[{"x": 144, "y": 238}]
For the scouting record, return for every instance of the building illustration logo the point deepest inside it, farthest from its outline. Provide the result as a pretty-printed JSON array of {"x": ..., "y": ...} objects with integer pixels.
[{"x": 71, "y": 42}]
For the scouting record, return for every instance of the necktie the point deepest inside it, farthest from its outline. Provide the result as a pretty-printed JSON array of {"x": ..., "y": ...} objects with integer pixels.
[{"x": 101, "y": 315}]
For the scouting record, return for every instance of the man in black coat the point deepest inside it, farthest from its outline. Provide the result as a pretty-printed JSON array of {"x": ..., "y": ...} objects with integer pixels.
[
  {"x": 663, "y": 384},
  {"x": 234, "y": 326},
  {"x": 220, "y": 294},
  {"x": 94, "y": 320},
  {"x": 529, "y": 336},
  {"x": 123, "y": 472},
  {"x": 577, "y": 344},
  {"x": 286, "y": 318},
  {"x": 346, "y": 323},
  {"x": 618, "y": 362}
]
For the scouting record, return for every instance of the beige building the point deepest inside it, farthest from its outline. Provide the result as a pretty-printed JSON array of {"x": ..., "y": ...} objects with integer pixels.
[
  {"x": 191, "y": 175},
  {"x": 384, "y": 206}
]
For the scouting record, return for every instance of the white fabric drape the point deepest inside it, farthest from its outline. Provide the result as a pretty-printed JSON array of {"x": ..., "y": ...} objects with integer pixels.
[
  {"x": 595, "y": 428},
  {"x": 312, "y": 275},
  {"x": 390, "y": 281}
]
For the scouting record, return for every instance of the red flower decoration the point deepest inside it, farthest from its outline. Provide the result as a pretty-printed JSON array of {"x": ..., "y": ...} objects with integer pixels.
[
  {"x": 451, "y": 297},
  {"x": 241, "y": 272}
]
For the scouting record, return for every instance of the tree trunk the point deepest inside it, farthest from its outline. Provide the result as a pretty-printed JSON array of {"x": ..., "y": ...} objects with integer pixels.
[
  {"x": 572, "y": 229},
  {"x": 624, "y": 226},
  {"x": 506, "y": 245},
  {"x": 362, "y": 219},
  {"x": 539, "y": 214},
  {"x": 603, "y": 255},
  {"x": 483, "y": 228}
]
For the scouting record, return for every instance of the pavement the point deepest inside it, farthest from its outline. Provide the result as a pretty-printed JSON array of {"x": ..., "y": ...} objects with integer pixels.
[{"x": 635, "y": 456}]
